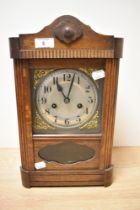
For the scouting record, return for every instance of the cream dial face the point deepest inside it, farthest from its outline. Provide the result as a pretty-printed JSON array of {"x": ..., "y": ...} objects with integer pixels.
[{"x": 66, "y": 98}]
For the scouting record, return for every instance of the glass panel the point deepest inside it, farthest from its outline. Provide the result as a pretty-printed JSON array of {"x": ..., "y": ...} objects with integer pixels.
[{"x": 66, "y": 101}]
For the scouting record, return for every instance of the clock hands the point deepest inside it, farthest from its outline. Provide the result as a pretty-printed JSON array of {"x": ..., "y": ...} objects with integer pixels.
[
  {"x": 71, "y": 86},
  {"x": 60, "y": 89}
]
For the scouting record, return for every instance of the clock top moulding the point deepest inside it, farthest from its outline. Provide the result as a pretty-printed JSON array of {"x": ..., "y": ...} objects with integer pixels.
[
  {"x": 77, "y": 41},
  {"x": 72, "y": 39}
]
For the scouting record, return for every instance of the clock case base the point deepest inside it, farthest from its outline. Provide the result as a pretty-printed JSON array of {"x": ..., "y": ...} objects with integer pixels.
[{"x": 64, "y": 179}]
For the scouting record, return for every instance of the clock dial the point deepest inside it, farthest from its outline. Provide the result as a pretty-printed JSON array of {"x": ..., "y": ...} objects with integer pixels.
[{"x": 67, "y": 98}]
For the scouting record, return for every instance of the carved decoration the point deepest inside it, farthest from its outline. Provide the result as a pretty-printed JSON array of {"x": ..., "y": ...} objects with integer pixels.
[{"x": 68, "y": 30}]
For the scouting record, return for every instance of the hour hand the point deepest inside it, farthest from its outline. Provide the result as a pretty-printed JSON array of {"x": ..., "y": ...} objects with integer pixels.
[{"x": 60, "y": 89}]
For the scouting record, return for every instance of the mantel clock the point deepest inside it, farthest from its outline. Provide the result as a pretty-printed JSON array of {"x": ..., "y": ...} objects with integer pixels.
[{"x": 66, "y": 83}]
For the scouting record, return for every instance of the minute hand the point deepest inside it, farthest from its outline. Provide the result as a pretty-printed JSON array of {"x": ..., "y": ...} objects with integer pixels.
[{"x": 71, "y": 85}]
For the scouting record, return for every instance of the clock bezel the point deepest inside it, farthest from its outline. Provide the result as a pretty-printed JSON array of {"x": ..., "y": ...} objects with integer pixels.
[
  {"x": 68, "y": 69},
  {"x": 37, "y": 73}
]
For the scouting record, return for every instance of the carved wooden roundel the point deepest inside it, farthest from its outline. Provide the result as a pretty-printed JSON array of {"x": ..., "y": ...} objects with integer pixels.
[{"x": 68, "y": 30}]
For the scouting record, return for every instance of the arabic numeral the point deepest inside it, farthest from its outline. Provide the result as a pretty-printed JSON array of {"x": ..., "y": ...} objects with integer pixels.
[
  {"x": 43, "y": 100},
  {"x": 55, "y": 80},
  {"x": 87, "y": 110},
  {"x": 47, "y": 89},
  {"x": 90, "y": 100},
  {"x": 47, "y": 111},
  {"x": 55, "y": 119},
  {"x": 87, "y": 89},
  {"x": 78, "y": 119},
  {"x": 67, "y": 122},
  {"x": 67, "y": 77},
  {"x": 78, "y": 80}
]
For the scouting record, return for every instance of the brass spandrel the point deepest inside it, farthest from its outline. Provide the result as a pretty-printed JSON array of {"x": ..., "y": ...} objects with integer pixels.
[
  {"x": 39, "y": 123},
  {"x": 93, "y": 123},
  {"x": 39, "y": 74}
]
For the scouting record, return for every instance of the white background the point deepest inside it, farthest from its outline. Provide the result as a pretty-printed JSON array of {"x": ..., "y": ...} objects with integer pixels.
[{"x": 113, "y": 17}]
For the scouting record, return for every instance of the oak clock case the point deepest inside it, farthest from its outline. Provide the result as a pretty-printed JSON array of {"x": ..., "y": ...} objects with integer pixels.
[{"x": 66, "y": 83}]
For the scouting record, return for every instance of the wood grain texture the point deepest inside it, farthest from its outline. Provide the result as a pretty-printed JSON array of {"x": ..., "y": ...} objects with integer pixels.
[
  {"x": 24, "y": 113},
  {"x": 89, "y": 45},
  {"x": 76, "y": 46},
  {"x": 124, "y": 193},
  {"x": 109, "y": 107},
  {"x": 90, "y": 164}
]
